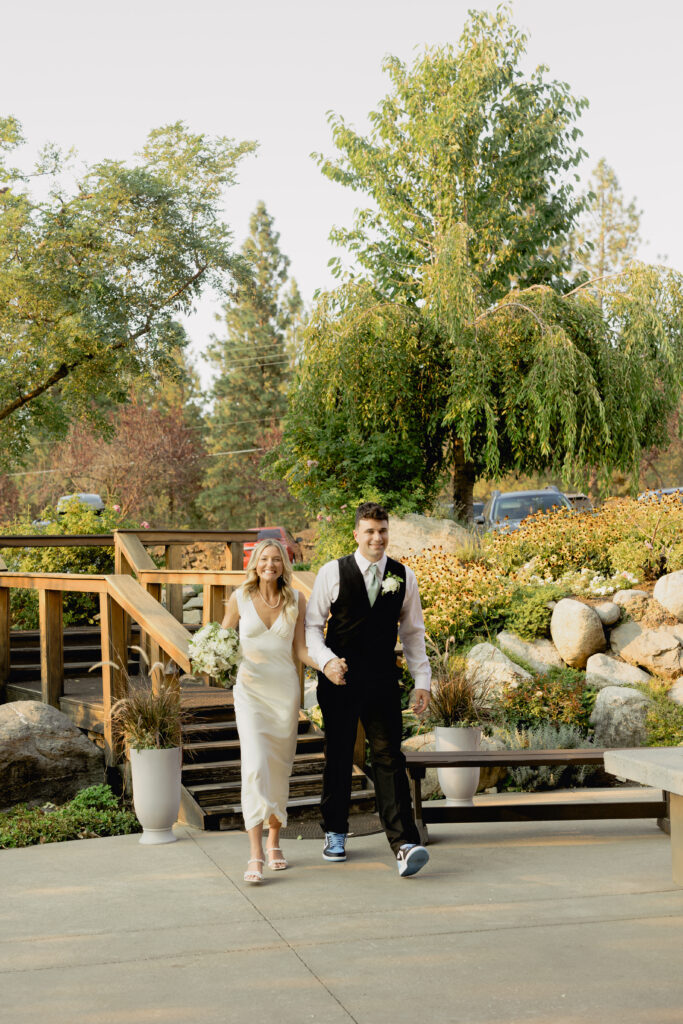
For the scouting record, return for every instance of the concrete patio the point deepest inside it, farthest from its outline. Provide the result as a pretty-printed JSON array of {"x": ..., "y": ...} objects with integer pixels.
[{"x": 563, "y": 922}]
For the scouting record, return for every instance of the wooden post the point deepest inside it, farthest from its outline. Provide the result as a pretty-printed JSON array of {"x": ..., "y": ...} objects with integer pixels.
[
  {"x": 51, "y": 646},
  {"x": 4, "y": 640},
  {"x": 174, "y": 591},
  {"x": 676, "y": 818},
  {"x": 114, "y": 675},
  {"x": 237, "y": 555},
  {"x": 215, "y": 599},
  {"x": 151, "y": 648}
]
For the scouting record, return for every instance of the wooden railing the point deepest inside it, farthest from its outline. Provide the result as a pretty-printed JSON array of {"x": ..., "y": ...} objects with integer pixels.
[{"x": 122, "y": 599}]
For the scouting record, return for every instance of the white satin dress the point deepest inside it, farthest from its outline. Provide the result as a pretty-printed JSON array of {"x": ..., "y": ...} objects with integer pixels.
[{"x": 267, "y": 698}]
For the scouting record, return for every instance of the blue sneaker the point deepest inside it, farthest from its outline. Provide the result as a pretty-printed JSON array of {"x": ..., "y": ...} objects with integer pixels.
[
  {"x": 334, "y": 848},
  {"x": 410, "y": 859}
]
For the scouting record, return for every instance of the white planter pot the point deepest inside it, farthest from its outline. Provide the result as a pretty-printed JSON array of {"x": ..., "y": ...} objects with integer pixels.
[
  {"x": 156, "y": 792},
  {"x": 458, "y": 784}
]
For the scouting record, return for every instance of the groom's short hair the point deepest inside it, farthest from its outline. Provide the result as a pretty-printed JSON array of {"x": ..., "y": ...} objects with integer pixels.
[{"x": 371, "y": 510}]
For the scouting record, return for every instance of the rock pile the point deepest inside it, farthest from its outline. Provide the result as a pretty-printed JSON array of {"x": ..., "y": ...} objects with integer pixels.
[{"x": 617, "y": 654}]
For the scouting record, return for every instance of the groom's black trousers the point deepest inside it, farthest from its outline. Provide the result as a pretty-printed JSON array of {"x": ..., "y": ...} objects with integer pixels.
[{"x": 379, "y": 709}]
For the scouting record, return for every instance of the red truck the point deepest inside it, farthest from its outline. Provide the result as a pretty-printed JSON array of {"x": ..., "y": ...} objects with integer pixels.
[{"x": 279, "y": 533}]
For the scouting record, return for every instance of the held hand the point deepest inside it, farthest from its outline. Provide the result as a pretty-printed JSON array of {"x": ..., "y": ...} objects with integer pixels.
[
  {"x": 335, "y": 670},
  {"x": 420, "y": 701}
]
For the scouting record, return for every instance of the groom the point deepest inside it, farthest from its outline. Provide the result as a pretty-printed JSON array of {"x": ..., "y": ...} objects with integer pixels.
[{"x": 368, "y": 598}]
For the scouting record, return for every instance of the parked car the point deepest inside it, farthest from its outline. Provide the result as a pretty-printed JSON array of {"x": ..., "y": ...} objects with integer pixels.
[
  {"x": 657, "y": 494},
  {"x": 90, "y": 500},
  {"x": 507, "y": 510},
  {"x": 290, "y": 545},
  {"x": 93, "y": 501},
  {"x": 579, "y": 502}
]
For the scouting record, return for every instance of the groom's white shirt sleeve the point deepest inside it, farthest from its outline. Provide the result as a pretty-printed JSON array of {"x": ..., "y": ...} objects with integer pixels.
[{"x": 411, "y": 627}]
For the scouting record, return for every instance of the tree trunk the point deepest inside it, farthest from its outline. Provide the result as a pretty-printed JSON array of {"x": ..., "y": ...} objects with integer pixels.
[{"x": 463, "y": 484}]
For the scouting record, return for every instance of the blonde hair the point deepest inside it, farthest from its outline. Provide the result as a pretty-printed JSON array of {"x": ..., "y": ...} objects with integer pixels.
[{"x": 290, "y": 599}]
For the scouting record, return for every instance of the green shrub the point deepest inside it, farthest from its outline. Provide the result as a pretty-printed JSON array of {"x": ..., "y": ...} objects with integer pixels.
[
  {"x": 545, "y": 737},
  {"x": 76, "y": 518},
  {"x": 93, "y": 812},
  {"x": 674, "y": 562},
  {"x": 636, "y": 555},
  {"x": 528, "y": 615},
  {"x": 558, "y": 698},
  {"x": 664, "y": 719}
]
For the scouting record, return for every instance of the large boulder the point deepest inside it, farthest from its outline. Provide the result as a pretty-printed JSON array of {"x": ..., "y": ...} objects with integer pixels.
[
  {"x": 608, "y": 611},
  {"x": 669, "y": 593},
  {"x": 430, "y": 783},
  {"x": 624, "y": 597},
  {"x": 541, "y": 655},
  {"x": 604, "y": 670},
  {"x": 43, "y": 756},
  {"x": 619, "y": 717},
  {"x": 413, "y": 534},
  {"x": 657, "y": 650},
  {"x": 486, "y": 665},
  {"x": 577, "y": 631}
]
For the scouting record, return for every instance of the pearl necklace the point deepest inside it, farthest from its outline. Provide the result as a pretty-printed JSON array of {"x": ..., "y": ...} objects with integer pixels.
[{"x": 267, "y": 603}]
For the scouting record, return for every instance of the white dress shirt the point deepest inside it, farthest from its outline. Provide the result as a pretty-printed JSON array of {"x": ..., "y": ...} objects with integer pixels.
[{"x": 411, "y": 627}]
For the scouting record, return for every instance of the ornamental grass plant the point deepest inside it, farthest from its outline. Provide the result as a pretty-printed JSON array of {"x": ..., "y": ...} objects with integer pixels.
[
  {"x": 457, "y": 698},
  {"x": 150, "y": 718}
]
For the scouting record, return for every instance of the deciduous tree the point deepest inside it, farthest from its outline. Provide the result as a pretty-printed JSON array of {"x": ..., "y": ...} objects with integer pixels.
[{"x": 94, "y": 275}]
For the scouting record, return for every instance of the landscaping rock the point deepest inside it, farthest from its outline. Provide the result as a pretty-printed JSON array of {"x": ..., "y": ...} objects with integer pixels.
[
  {"x": 604, "y": 670},
  {"x": 43, "y": 756},
  {"x": 489, "y": 777},
  {"x": 192, "y": 617},
  {"x": 623, "y": 597},
  {"x": 425, "y": 741},
  {"x": 541, "y": 655},
  {"x": 413, "y": 534},
  {"x": 196, "y": 601},
  {"x": 486, "y": 664},
  {"x": 188, "y": 591},
  {"x": 577, "y": 632},
  {"x": 669, "y": 593},
  {"x": 657, "y": 650},
  {"x": 609, "y": 612},
  {"x": 676, "y": 692},
  {"x": 619, "y": 717}
]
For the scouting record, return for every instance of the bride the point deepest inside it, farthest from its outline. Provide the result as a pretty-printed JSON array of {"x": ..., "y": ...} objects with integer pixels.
[{"x": 270, "y": 616}]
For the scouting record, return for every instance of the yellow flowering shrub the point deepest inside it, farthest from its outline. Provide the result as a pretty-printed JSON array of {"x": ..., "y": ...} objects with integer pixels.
[
  {"x": 460, "y": 599},
  {"x": 624, "y": 535}
]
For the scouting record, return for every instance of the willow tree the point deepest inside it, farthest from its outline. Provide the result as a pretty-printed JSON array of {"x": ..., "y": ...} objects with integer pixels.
[
  {"x": 468, "y": 168},
  {"x": 95, "y": 272}
]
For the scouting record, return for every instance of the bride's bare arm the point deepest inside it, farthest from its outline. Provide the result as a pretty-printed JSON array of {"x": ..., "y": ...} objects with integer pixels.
[
  {"x": 232, "y": 613},
  {"x": 299, "y": 643}
]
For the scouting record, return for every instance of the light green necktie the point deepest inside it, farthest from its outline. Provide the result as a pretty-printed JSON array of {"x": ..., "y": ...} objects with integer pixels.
[{"x": 373, "y": 585}]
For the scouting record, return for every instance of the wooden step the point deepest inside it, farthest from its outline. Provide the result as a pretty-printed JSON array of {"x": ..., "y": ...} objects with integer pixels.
[
  {"x": 225, "y": 771},
  {"x": 212, "y": 794},
  {"x": 196, "y": 732},
  {"x": 24, "y": 673},
  {"x": 223, "y": 750},
  {"x": 229, "y": 816}
]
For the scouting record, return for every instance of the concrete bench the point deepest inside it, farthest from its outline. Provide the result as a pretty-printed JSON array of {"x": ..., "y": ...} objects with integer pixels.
[
  {"x": 661, "y": 767},
  {"x": 532, "y": 810}
]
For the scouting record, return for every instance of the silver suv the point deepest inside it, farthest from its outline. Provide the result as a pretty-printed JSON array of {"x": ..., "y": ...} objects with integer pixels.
[{"x": 507, "y": 510}]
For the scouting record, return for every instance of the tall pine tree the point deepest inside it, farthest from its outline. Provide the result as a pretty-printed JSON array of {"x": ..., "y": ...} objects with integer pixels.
[{"x": 252, "y": 371}]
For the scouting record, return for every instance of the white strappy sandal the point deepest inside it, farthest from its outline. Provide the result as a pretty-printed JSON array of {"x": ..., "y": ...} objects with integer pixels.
[
  {"x": 254, "y": 875},
  {"x": 276, "y": 863}
]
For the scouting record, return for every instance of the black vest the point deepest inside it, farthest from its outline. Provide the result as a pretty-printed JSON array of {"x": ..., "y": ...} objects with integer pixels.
[{"x": 362, "y": 633}]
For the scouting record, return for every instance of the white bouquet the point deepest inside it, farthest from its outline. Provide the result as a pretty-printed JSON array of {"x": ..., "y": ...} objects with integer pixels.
[{"x": 216, "y": 651}]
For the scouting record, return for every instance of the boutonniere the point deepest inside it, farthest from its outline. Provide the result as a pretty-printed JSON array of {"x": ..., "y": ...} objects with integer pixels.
[{"x": 391, "y": 584}]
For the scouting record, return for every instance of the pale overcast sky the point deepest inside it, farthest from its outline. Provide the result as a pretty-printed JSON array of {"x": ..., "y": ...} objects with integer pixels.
[{"x": 100, "y": 76}]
